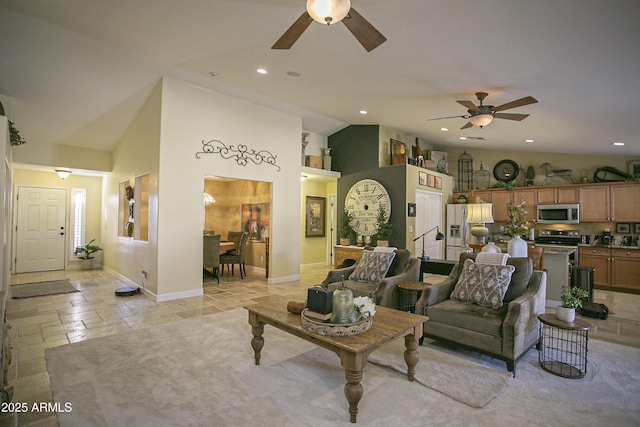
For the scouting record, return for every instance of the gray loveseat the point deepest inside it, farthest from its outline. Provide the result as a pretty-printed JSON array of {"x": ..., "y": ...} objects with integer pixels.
[
  {"x": 404, "y": 268},
  {"x": 506, "y": 332}
]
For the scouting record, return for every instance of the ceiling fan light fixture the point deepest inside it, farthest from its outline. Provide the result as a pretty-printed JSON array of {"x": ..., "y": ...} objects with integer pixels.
[
  {"x": 328, "y": 11},
  {"x": 481, "y": 120}
]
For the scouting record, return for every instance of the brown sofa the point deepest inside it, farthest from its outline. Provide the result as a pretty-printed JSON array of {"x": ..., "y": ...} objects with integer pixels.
[
  {"x": 507, "y": 332},
  {"x": 404, "y": 268}
]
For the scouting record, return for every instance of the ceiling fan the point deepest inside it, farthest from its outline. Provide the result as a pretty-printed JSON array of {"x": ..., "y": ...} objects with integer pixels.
[
  {"x": 482, "y": 115},
  {"x": 330, "y": 12}
]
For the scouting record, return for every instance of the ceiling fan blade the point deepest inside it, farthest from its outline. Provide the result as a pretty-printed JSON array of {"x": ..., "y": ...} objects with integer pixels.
[
  {"x": 517, "y": 103},
  {"x": 450, "y": 117},
  {"x": 363, "y": 31},
  {"x": 293, "y": 33},
  {"x": 468, "y": 105},
  {"x": 511, "y": 116},
  {"x": 467, "y": 126}
]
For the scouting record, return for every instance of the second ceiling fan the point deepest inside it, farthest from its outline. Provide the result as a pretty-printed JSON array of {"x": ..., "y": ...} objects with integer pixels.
[
  {"x": 482, "y": 115},
  {"x": 331, "y": 12}
]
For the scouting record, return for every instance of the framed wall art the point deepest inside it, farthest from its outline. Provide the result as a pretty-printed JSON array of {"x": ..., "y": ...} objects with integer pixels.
[
  {"x": 398, "y": 152},
  {"x": 411, "y": 209},
  {"x": 439, "y": 182},
  {"x": 623, "y": 228},
  {"x": 634, "y": 167},
  {"x": 315, "y": 212},
  {"x": 422, "y": 178},
  {"x": 431, "y": 181},
  {"x": 254, "y": 218}
]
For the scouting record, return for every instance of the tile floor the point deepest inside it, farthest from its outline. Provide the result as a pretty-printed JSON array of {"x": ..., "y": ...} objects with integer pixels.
[{"x": 43, "y": 322}]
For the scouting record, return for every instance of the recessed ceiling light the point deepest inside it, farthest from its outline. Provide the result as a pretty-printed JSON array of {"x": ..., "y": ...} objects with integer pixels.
[
  {"x": 213, "y": 74},
  {"x": 463, "y": 138},
  {"x": 528, "y": 140},
  {"x": 363, "y": 111},
  {"x": 444, "y": 129},
  {"x": 261, "y": 71},
  {"x": 293, "y": 74},
  {"x": 619, "y": 144}
]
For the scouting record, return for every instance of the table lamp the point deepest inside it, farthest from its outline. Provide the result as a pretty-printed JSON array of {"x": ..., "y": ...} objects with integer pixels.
[{"x": 479, "y": 214}]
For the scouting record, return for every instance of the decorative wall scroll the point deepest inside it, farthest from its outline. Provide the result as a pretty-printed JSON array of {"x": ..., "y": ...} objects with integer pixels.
[{"x": 241, "y": 154}]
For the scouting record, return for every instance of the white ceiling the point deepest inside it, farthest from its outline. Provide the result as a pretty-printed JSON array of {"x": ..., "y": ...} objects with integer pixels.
[{"x": 79, "y": 70}]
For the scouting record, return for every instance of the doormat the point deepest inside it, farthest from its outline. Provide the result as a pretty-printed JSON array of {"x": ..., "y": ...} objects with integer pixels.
[{"x": 40, "y": 289}]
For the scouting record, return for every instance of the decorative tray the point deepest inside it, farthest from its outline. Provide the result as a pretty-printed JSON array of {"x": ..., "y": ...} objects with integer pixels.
[{"x": 335, "y": 329}]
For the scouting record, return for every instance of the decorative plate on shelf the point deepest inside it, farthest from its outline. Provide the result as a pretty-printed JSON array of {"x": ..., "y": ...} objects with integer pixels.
[{"x": 506, "y": 170}]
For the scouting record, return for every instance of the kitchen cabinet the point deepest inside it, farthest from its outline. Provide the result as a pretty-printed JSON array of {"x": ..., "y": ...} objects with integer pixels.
[
  {"x": 625, "y": 200},
  {"x": 615, "y": 269},
  {"x": 625, "y": 269},
  {"x": 595, "y": 203},
  {"x": 614, "y": 202},
  {"x": 552, "y": 195},
  {"x": 500, "y": 200},
  {"x": 530, "y": 196}
]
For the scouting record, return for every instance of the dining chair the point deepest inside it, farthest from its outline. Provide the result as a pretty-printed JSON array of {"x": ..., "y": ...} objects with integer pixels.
[
  {"x": 237, "y": 258},
  {"x": 234, "y": 236},
  {"x": 536, "y": 253},
  {"x": 211, "y": 255}
]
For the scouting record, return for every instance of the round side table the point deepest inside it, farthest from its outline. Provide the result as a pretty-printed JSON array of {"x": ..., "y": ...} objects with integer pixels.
[
  {"x": 408, "y": 295},
  {"x": 563, "y": 346}
]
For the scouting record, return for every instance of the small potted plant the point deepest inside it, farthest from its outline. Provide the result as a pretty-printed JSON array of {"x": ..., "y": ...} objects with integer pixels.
[
  {"x": 571, "y": 299},
  {"x": 84, "y": 253},
  {"x": 345, "y": 227},
  {"x": 383, "y": 227}
]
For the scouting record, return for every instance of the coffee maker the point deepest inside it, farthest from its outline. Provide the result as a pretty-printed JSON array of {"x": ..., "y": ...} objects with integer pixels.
[{"x": 606, "y": 237}]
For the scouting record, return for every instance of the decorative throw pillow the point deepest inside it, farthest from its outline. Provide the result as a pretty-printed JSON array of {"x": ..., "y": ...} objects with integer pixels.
[
  {"x": 372, "y": 266},
  {"x": 483, "y": 284}
]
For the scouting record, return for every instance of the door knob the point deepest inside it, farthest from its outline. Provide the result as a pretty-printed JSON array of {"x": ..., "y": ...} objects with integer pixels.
[{"x": 62, "y": 234}]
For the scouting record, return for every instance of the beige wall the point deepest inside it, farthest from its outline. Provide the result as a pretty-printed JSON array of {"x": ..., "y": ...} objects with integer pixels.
[{"x": 93, "y": 187}]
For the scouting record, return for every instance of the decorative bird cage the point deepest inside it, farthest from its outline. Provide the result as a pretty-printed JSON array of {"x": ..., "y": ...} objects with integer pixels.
[
  {"x": 481, "y": 178},
  {"x": 465, "y": 172}
]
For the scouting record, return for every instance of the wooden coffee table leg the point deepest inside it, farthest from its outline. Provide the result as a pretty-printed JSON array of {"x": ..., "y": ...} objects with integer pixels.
[
  {"x": 353, "y": 392},
  {"x": 411, "y": 355},
  {"x": 257, "y": 342}
]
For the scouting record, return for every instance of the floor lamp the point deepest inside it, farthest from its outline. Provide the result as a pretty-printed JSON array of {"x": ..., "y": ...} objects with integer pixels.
[
  {"x": 479, "y": 214},
  {"x": 439, "y": 236}
]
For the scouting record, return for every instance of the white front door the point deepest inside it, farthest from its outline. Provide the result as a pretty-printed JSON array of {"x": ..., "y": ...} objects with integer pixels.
[
  {"x": 428, "y": 216},
  {"x": 40, "y": 229}
]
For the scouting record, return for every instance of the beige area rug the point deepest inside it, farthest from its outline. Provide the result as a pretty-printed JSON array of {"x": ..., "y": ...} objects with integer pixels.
[
  {"x": 40, "y": 289},
  {"x": 201, "y": 372}
]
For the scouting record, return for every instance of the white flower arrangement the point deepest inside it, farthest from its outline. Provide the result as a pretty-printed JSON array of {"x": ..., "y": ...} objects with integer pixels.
[{"x": 365, "y": 306}]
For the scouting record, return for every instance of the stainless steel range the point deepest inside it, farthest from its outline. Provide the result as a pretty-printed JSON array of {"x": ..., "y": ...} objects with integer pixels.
[{"x": 560, "y": 238}]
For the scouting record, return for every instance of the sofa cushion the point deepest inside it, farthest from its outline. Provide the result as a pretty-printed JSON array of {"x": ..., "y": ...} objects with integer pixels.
[
  {"x": 372, "y": 266},
  {"x": 519, "y": 279},
  {"x": 483, "y": 284},
  {"x": 399, "y": 263},
  {"x": 467, "y": 316}
]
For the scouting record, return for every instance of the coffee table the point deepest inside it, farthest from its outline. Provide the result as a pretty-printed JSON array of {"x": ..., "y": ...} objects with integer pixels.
[{"x": 354, "y": 351}]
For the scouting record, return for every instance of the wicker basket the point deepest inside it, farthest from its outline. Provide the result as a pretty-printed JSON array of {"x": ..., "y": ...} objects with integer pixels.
[{"x": 334, "y": 329}]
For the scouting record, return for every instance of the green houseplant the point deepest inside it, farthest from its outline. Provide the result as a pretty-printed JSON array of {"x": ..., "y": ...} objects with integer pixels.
[
  {"x": 383, "y": 227},
  {"x": 14, "y": 135},
  {"x": 345, "y": 227},
  {"x": 85, "y": 253},
  {"x": 571, "y": 299}
]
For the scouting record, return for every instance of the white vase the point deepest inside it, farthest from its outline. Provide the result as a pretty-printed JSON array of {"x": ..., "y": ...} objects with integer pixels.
[
  {"x": 517, "y": 247},
  {"x": 491, "y": 248},
  {"x": 565, "y": 314}
]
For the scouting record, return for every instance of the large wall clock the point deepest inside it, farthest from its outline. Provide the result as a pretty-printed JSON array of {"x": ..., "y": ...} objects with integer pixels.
[
  {"x": 363, "y": 200},
  {"x": 506, "y": 170}
]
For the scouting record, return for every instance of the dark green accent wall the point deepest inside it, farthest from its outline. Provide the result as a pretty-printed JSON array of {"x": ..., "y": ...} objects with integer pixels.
[{"x": 354, "y": 153}]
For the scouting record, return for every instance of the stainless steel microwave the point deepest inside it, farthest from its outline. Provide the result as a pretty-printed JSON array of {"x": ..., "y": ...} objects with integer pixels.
[{"x": 558, "y": 214}]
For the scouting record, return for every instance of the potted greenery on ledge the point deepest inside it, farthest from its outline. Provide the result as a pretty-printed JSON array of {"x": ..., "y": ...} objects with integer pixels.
[
  {"x": 571, "y": 299},
  {"x": 85, "y": 254},
  {"x": 383, "y": 227},
  {"x": 345, "y": 227}
]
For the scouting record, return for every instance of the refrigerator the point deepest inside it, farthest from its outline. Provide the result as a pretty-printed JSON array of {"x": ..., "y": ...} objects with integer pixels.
[{"x": 457, "y": 230}]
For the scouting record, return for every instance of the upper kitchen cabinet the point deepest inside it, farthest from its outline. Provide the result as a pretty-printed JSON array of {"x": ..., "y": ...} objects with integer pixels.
[
  {"x": 615, "y": 202},
  {"x": 552, "y": 195},
  {"x": 500, "y": 200},
  {"x": 625, "y": 201},
  {"x": 530, "y": 196}
]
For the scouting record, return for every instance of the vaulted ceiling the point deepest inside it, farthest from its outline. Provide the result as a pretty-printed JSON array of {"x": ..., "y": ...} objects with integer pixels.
[{"x": 79, "y": 70}]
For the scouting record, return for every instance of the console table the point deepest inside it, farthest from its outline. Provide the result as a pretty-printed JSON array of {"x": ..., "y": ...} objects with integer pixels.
[{"x": 340, "y": 253}]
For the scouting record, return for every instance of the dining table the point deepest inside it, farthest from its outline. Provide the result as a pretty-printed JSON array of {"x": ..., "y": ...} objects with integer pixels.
[{"x": 226, "y": 246}]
